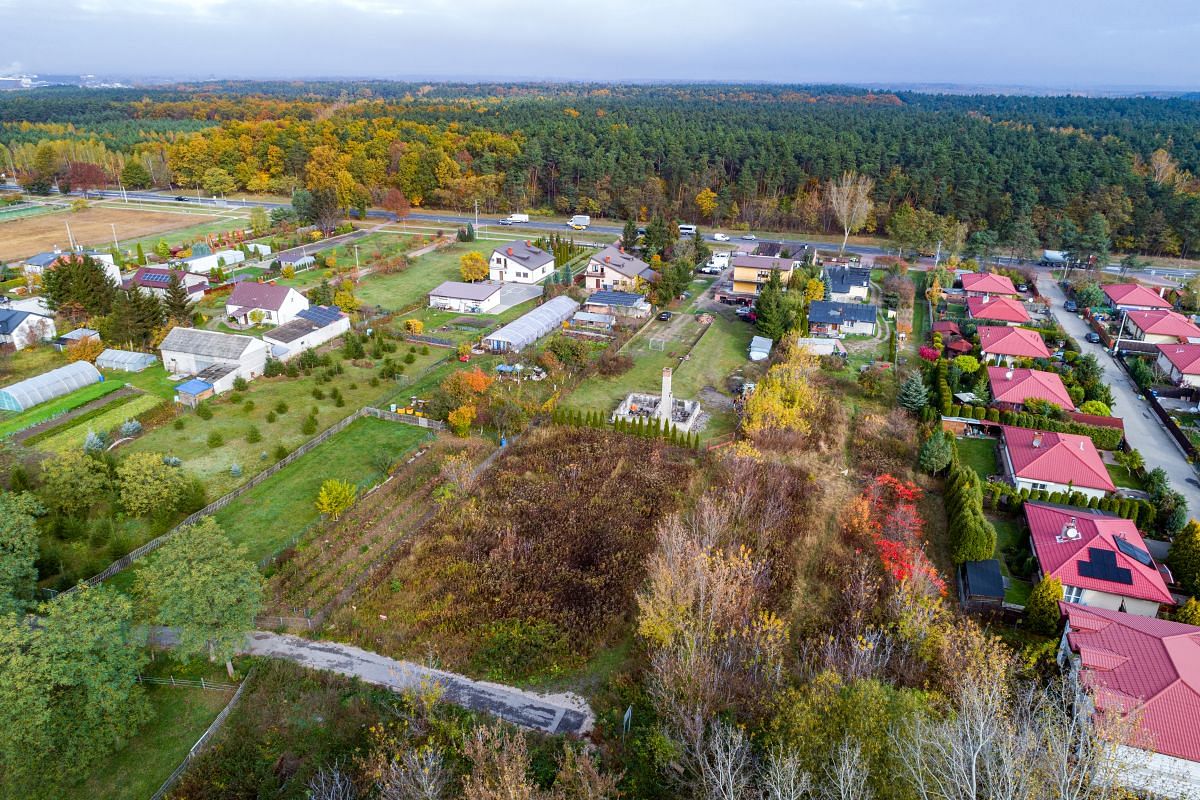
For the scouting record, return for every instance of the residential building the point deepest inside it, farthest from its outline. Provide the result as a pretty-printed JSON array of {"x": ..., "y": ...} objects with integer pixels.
[
  {"x": 213, "y": 357},
  {"x": 1054, "y": 462},
  {"x": 277, "y": 304},
  {"x": 21, "y": 329},
  {"x": 838, "y": 319},
  {"x": 520, "y": 262},
  {"x": 613, "y": 269},
  {"x": 848, "y": 284},
  {"x": 981, "y": 284},
  {"x": 1101, "y": 560},
  {"x": 1134, "y": 297},
  {"x": 1180, "y": 363},
  {"x": 751, "y": 273},
  {"x": 156, "y": 279},
  {"x": 297, "y": 261},
  {"x": 1013, "y": 387},
  {"x": 1007, "y": 343},
  {"x": 470, "y": 298},
  {"x": 1161, "y": 327},
  {"x": 36, "y": 265},
  {"x": 997, "y": 309},
  {"x": 619, "y": 304},
  {"x": 312, "y": 327},
  {"x": 1146, "y": 671}
]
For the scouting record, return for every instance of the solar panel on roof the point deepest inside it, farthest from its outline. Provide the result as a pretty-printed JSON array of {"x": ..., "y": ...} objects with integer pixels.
[
  {"x": 321, "y": 315},
  {"x": 156, "y": 277},
  {"x": 1133, "y": 551},
  {"x": 1102, "y": 565}
]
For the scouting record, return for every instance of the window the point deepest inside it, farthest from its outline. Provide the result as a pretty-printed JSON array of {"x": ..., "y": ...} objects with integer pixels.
[
  {"x": 1072, "y": 594},
  {"x": 1038, "y": 486}
]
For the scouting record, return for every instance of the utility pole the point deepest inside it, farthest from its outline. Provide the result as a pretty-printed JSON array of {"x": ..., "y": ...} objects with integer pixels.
[
  {"x": 937, "y": 256},
  {"x": 116, "y": 246},
  {"x": 476, "y": 216},
  {"x": 1120, "y": 332},
  {"x": 356, "y": 258},
  {"x": 70, "y": 237}
]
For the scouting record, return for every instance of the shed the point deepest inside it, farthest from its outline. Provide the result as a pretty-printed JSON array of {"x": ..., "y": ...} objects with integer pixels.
[
  {"x": 981, "y": 585},
  {"x": 125, "y": 360},
  {"x": 47, "y": 386},
  {"x": 760, "y": 348},
  {"x": 191, "y": 393},
  {"x": 589, "y": 319},
  {"x": 472, "y": 298},
  {"x": 528, "y": 328}
]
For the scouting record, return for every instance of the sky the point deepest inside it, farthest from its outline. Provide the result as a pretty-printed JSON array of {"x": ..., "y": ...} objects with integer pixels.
[{"x": 1002, "y": 43}]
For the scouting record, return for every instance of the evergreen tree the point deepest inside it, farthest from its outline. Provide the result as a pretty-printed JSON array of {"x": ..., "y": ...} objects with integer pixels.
[
  {"x": 629, "y": 234},
  {"x": 828, "y": 281},
  {"x": 936, "y": 453},
  {"x": 141, "y": 255},
  {"x": 177, "y": 304},
  {"x": 1184, "y": 558},
  {"x": 1189, "y": 612},
  {"x": 79, "y": 282},
  {"x": 913, "y": 395},
  {"x": 1042, "y": 606},
  {"x": 769, "y": 307}
]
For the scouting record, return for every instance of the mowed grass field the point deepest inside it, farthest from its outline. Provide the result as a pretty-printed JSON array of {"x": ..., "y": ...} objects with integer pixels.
[
  {"x": 402, "y": 289},
  {"x": 30, "y": 361},
  {"x": 91, "y": 227}
]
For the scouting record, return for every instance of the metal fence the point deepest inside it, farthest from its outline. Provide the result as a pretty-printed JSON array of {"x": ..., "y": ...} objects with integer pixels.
[
  {"x": 408, "y": 419},
  {"x": 187, "y": 683},
  {"x": 198, "y": 747}
]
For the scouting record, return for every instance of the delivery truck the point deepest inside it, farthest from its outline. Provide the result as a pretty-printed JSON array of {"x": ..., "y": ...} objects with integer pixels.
[{"x": 514, "y": 219}]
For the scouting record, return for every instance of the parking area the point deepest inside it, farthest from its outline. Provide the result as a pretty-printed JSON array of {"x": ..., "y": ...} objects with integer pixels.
[{"x": 513, "y": 294}]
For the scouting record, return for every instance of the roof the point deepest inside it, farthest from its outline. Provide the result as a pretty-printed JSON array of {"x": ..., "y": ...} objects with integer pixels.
[
  {"x": 207, "y": 343},
  {"x": 159, "y": 278},
  {"x": 1184, "y": 357},
  {"x": 1006, "y": 340},
  {"x": 988, "y": 282},
  {"x": 830, "y": 313},
  {"x": 761, "y": 343},
  {"x": 1123, "y": 566},
  {"x": 843, "y": 279},
  {"x": 291, "y": 331},
  {"x": 623, "y": 299},
  {"x": 466, "y": 291},
  {"x": 48, "y": 385},
  {"x": 533, "y": 325},
  {"x": 1056, "y": 458},
  {"x": 194, "y": 387},
  {"x": 80, "y": 333},
  {"x": 1019, "y": 385},
  {"x": 321, "y": 315},
  {"x": 983, "y": 578},
  {"x": 251, "y": 295},
  {"x": 588, "y": 316},
  {"x": 1134, "y": 294},
  {"x": 1152, "y": 664},
  {"x": 524, "y": 252},
  {"x": 11, "y": 320},
  {"x": 1003, "y": 309},
  {"x": 128, "y": 360},
  {"x": 627, "y": 264},
  {"x": 959, "y": 345},
  {"x": 946, "y": 326},
  {"x": 763, "y": 262},
  {"x": 214, "y": 372},
  {"x": 1164, "y": 323}
]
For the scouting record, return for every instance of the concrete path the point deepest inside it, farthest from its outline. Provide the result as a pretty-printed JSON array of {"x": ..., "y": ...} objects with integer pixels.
[
  {"x": 552, "y": 713},
  {"x": 1142, "y": 428}
]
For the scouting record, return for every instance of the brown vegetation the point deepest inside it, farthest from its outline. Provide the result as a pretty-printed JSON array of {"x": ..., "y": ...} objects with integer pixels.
[{"x": 92, "y": 226}]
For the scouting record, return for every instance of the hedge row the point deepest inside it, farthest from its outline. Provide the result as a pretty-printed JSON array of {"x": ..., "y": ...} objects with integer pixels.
[
  {"x": 1140, "y": 512},
  {"x": 643, "y": 427},
  {"x": 972, "y": 536},
  {"x": 1104, "y": 438}
]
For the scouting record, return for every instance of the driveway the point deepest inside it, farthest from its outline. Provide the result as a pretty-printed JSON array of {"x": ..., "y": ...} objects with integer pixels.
[
  {"x": 513, "y": 294},
  {"x": 554, "y": 714},
  {"x": 1142, "y": 428}
]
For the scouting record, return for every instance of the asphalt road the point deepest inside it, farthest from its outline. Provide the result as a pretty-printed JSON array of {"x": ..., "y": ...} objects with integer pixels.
[{"x": 1142, "y": 428}]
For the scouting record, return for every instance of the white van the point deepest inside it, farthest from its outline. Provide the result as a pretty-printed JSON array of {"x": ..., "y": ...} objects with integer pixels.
[
  {"x": 687, "y": 230},
  {"x": 514, "y": 219},
  {"x": 579, "y": 221}
]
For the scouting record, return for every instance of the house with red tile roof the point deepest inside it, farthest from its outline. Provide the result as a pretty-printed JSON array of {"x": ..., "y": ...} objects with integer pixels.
[
  {"x": 1147, "y": 671},
  {"x": 946, "y": 327},
  {"x": 1012, "y": 387},
  {"x": 1180, "y": 363},
  {"x": 277, "y": 304},
  {"x": 997, "y": 309},
  {"x": 1054, "y": 462},
  {"x": 1007, "y": 343},
  {"x": 1161, "y": 327},
  {"x": 1134, "y": 297},
  {"x": 1101, "y": 560},
  {"x": 978, "y": 284}
]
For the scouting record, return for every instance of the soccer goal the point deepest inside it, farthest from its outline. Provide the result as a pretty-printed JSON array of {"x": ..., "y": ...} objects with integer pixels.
[{"x": 657, "y": 343}]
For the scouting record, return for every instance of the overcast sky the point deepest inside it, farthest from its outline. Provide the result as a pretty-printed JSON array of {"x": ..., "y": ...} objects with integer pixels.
[{"x": 1054, "y": 43}]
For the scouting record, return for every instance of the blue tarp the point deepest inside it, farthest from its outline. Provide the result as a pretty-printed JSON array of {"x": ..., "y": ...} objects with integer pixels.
[{"x": 194, "y": 387}]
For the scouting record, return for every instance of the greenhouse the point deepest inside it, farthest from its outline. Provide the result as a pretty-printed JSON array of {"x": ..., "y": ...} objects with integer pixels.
[
  {"x": 527, "y": 329},
  {"x": 125, "y": 360},
  {"x": 47, "y": 386}
]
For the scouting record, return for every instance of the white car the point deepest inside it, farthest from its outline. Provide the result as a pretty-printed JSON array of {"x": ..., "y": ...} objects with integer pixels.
[
  {"x": 749, "y": 237},
  {"x": 721, "y": 237}
]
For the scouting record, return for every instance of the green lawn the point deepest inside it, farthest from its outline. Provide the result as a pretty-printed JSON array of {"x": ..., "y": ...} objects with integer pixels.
[
  {"x": 53, "y": 408},
  {"x": 153, "y": 380},
  {"x": 1009, "y": 532},
  {"x": 980, "y": 455},
  {"x": 73, "y": 434},
  {"x": 1124, "y": 478},
  {"x": 29, "y": 362},
  {"x": 186, "y": 235},
  {"x": 402, "y": 289}
]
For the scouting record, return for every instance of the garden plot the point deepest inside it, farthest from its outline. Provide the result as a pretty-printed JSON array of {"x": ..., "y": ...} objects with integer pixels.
[{"x": 75, "y": 433}]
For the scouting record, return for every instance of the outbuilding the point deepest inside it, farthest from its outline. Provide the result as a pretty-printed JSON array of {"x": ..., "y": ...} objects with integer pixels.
[
  {"x": 311, "y": 328},
  {"x": 190, "y": 351},
  {"x": 467, "y": 298},
  {"x": 125, "y": 360},
  {"x": 528, "y": 328},
  {"x": 47, "y": 386},
  {"x": 760, "y": 348}
]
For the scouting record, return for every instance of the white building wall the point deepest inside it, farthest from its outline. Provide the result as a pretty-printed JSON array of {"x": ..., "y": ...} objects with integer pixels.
[
  {"x": 1159, "y": 774},
  {"x": 464, "y": 306},
  {"x": 510, "y": 270},
  {"x": 32, "y": 330},
  {"x": 313, "y": 339},
  {"x": 1023, "y": 483},
  {"x": 293, "y": 304},
  {"x": 1112, "y": 602},
  {"x": 1177, "y": 377}
]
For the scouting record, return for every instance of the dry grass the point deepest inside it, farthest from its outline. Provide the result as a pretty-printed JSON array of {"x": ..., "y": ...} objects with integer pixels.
[{"x": 92, "y": 227}]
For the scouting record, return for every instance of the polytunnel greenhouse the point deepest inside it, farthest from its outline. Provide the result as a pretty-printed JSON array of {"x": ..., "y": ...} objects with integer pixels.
[
  {"x": 125, "y": 360},
  {"x": 527, "y": 329},
  {"x": 47, "y": 386}
]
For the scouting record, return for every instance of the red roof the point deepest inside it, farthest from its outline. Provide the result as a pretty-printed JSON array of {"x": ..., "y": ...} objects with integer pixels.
[
  {"x": 1019, "y": 385},
  {"x": 988, "y": 282},
  {"x": 252, "y": 295},
  {"x": 959, "y": 345},
  {"x": 1006, "y": 340},
  {"x": 1003, "y": 309},
  {"x": 1061, "y": 557},
  {"x": 1142, "y": 664},
  {"x": 1185, "y": 357},
  {"x": 1164, "y": 323},
  {"x": 946, "y": 326},
  {"x": 1133, "y": 294},
  {"x": 1049, "y": 457}
]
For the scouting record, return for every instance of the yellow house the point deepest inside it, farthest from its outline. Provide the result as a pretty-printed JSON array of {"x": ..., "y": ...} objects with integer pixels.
[{"x": 751, "y": 273}]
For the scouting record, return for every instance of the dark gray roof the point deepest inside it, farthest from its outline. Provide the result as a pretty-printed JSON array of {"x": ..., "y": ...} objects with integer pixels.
[
  {"x": 526, "y": 253},
  {"x": 291, "y": 331},
  {"x": 251, "y": 294},
  {"x": 43, "y": 259},
  {"x": 983, "y": 579},
  {"x": 623, "y": 299},
  {"x": 830, "y": 313},
  {"x": 763, "y": 262},
  {"x": 466, "y": 291},
  {"x": 207, "y": 343},
  {"x": 11, "y": 320},
  {"x": 843, "y": 279},
  {"x": 215, "y": 372},
  {"x": 627, "y": 264}
]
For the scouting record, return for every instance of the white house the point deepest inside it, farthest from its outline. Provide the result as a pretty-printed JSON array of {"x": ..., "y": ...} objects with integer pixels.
[
  {"x": 155, "y": 280},
  {"x": 1180, "y": 363},
  {"x": 277, "y": 304},
  {"x": 471, "y": 298},
  {"x": 614, "y": 270},
  {"x": 311, "y": 328},
  {"x": 520, "y": 262},
  {"x": 848, "y": 284},
  {"x": 192, "y": 351},
  {"x": 21, "y": 329},
  {"x": 207, "y": 262},
  {"x": 1054, "y": 462}
]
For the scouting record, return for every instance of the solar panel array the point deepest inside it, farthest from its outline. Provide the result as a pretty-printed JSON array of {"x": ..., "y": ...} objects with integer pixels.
[
  {"x": 1133, "y": 551},
  {"x": 155, "y": 277},
  {"x": 321, "y": 315},
  {"x": 1102, "y": 566}
]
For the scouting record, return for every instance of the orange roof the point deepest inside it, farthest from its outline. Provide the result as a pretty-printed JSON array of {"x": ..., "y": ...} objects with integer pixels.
[
  {"x": 988, "y": 283},
  {"x": 1164, "y": 323},
  {"x": 1185, "y": 357},
  {"x": 1049, "y": 457},
  {"x": 1002, "y": 309},
  {"x": 1005, "y": 340},
  {"x": 1134, "y": 295},
  {"x": 1019, "y": 385}
]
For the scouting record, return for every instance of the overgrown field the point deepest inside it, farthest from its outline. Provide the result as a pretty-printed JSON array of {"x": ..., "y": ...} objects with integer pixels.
[{"x": 91, "y": 227}]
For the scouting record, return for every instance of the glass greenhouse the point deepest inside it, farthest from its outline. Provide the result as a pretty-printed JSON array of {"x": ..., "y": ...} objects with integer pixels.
[
  {"x": 527, "y": 329},
  {"x": 125, "y": 360},
  {"x": 47, "y": 386}
]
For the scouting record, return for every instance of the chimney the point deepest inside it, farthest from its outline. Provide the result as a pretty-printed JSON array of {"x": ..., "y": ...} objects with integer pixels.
[
  {"x": 986, "y": 297},
  {"x": 1070, "y": 533},
  {"x": 668, "y": 400},
  {"x": 1008, "y": 376},
  {"x": 510, "y": 251},
  {"x": 1037, "y": 440},
  {"x": 1081, "y": 445},
  {"x": 607, "y": 259},
  {"x": 1162, "y": 291}
]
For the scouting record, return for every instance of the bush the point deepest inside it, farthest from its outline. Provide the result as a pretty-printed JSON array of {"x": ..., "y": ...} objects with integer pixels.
[
  {"x": 409, "y": 358},
  {"x": 203, "y": 411},
  {"x": 281, "y": 407},
  {"x": 215, "y": 439},
  {"x": 309, "y": 426},
  {"x": 274, "y": 368},
  {"x": 253, "y": 435},
  {"x": 130, "y": 428},
  {"x": 514, "y": 650},
  {"x": 1042, "y": 606},
  {"x": 424, "y": 349},
  {"x": 178, "y": 424},
  {"x": 318, "y": 394},
  {"x": 612, "y": 364},
  {"x": 234, "y": 398},
  {"x": 248, "y": 406},
  {"x": 279, "y": 453},
  {"x": 235, "y": 470},
  {"x": 271, "y": 416}
]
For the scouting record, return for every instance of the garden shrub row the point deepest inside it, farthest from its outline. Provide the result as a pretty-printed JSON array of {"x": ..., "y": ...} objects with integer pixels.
[
  {"x": 1103, "y": 437},
  {"x": 643, "y": 427},
  {"x": 1001, "y": 496},
  {"x": 972, "y": 536}
]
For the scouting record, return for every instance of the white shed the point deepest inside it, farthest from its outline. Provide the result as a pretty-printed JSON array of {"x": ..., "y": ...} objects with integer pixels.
[
  {"x": 760, "y": 348},
  {"x": 190, "y": 351},
  {"x": 472, "y": 298}
]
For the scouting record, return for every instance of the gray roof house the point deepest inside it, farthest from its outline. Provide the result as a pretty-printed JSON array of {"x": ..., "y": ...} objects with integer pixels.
[
  {"x": 847, "y": 284},
  {"x": 189, "y": 351},
  {"x": 825, "y": 316}
]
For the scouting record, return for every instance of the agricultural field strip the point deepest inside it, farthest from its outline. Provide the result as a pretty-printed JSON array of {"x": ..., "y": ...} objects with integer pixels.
[
  {"x": 74, "y": 435},
  {"x": 45, "y": 412}
]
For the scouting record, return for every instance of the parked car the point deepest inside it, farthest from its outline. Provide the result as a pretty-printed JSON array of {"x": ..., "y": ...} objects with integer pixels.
[
  {"x": 709, "y": 269},
  {"x": 1070, "y": 306},
  {"x": 1093, "y": 337},
  {"x": 664, "y": 316},
  {"x": 180, "y": 198},
  {"x": 1022, "y": 287},
  {"x": 721, "y": 237}
]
